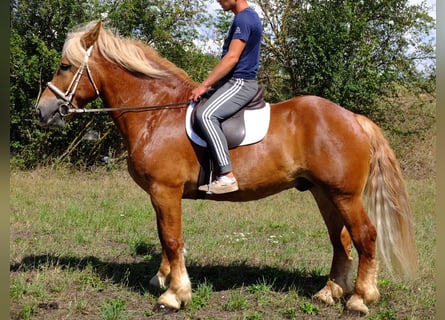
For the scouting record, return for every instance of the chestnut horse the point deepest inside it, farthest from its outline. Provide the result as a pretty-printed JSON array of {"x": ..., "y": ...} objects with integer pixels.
[{"x": 311, "y": 144}]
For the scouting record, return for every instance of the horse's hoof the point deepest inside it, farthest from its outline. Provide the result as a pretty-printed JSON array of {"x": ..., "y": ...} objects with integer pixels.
[
  {"x": 325, "y": 296},
  {"x": 356, "y": 304},
  {"x": 160, "y": 308},
  {"x": 347, "y": 313},
  {"x": 329, "y": 293}
]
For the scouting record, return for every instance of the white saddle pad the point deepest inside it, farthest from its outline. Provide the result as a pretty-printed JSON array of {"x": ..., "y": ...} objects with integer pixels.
[{"x": 256, "y": 122}]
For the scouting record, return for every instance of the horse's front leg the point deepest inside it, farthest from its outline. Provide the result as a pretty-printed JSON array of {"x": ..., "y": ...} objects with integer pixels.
[
  {"x": 172, "y": 272},
  {"x": 161, "y": 279}
]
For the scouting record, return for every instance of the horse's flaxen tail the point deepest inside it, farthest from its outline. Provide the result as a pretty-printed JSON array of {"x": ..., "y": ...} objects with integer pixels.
[{"x": 388, "y": 205}]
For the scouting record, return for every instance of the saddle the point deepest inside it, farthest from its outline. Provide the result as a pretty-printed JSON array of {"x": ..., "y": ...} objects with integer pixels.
[{"x": 234, "y": 128}]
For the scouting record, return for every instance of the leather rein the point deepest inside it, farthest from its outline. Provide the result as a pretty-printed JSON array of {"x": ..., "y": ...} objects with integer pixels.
[{"x": 70, "y": 107}]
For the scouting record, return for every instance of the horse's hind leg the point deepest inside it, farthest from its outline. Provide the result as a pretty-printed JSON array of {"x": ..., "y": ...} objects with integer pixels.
[
  {"x": 340, "y": 277},
  {"x": 364, "y": 236},
  {"x": 349, "y": 211}
]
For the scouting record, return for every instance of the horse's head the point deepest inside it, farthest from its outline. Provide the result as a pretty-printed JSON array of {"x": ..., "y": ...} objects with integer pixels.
[{"x": 73, "y": 85}]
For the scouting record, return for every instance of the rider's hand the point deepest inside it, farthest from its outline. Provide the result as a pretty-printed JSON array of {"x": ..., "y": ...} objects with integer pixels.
[{"x": 198, "y": 92}]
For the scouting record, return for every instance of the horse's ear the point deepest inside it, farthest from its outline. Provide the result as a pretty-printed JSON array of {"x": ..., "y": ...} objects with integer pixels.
[{"x": 90, "y": 37}]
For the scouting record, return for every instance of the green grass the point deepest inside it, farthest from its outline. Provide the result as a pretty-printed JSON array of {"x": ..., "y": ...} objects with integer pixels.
[
  {"x": 84, "y": 246},
  {"x": 113, "y": 310}
]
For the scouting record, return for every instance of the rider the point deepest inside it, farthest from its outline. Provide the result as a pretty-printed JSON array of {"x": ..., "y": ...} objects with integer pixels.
[{"x": 235, "y": 78}]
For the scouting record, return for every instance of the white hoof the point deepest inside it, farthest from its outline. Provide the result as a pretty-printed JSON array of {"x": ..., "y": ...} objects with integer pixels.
[
  {"x": 355, "y": 303},
  {"x": 329, "y": 293},
  {"x": 170, "y": 300}
]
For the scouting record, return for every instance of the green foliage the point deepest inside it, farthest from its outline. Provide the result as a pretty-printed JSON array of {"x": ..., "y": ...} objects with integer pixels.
[
  {"x": 27, "y": 311},
  {"x": 385, "y": 315},
  {"x": 113, "y": 310},
  {"x": 38, "y": 32},
  {"x": 260, "y": 289},
  {"x": 89, "y": 280},
  {"x": 353, "y": 52},
  {"x": 289, "y": 313},
  {"x": 254, "y": 316},
  {"x": 201, "y": 295},
  {"x": 17, "y": 289},
  {"x": 309, "y": 308},
  {"x": 168, "y": 25},
  {"x": 236, "y": 301}
]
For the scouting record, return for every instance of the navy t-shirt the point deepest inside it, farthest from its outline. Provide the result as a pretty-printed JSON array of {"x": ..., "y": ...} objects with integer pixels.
[{"x": 245, "y": 26}]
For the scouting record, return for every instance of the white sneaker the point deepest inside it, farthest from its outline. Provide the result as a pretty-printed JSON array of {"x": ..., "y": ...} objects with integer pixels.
[{"x": 221, "y": 185}]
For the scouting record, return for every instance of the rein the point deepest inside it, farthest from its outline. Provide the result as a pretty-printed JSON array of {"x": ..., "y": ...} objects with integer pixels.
[
  {"x": 65, "y": 109},
  {"x": 68, "y": 96}
]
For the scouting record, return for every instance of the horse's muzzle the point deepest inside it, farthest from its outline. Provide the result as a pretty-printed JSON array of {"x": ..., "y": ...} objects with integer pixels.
[
  {"x": 51, "y": 116},
  {"x": 39, "y": 115}
]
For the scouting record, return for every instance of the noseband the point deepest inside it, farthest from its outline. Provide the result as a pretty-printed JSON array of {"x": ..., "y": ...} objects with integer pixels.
[{"x": 69, "y": 94}]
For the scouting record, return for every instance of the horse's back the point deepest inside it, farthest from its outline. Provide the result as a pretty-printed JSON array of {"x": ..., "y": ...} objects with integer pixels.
[{"x": 318, "y": 115}]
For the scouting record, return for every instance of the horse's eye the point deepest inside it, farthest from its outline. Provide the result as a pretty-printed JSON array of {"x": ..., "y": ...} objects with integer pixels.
[{"x": 65, "y": 66}]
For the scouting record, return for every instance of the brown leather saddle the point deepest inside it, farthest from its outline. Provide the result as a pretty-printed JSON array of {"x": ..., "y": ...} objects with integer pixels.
[{"x": 234, "y": 127}]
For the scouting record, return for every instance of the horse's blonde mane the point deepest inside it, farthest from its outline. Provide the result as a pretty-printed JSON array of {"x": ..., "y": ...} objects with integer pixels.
[{"x": 131, "y": 54}]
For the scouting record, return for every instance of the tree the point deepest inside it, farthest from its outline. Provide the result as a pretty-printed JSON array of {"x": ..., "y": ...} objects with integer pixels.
[
  {"x": 351, "y": 52},
  {"x": 170, "y": 26},
  {"x": 38, "y": 32}
]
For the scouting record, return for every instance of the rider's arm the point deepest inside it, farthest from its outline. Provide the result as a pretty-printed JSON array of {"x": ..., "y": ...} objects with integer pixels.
[{"x": 225, "y": 65}]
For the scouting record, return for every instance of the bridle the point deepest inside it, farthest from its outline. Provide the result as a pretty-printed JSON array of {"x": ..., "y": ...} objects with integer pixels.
[
  {"x": 68, "y": 96},
  {"x": 69, "y": 107}
]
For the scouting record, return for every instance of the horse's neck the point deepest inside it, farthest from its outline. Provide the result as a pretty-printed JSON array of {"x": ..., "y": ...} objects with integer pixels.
[{"x": 128, "y": 90}]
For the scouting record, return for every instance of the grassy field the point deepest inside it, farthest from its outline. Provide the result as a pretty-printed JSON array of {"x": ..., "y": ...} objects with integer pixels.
[{"x": 84, "y": 246}]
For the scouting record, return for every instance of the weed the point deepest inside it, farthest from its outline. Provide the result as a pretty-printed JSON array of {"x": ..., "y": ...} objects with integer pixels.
[
  {"x": 260, "y": 288},
  {"x": 236, "y": 301},
  {"x": 27, "y": 311},
  {"x": 202, "y": 295},
  {"x": 254, "y": 316},
  {"x": 317, "y": 272},
  {"x": 309, "y": 308},
  {"x": 140, "y": 248},
  {"x": 17, "y": 289},
  {"x": 90, "y": 280},
  {"x": 384, "y": 282},
  {"x": 385, "y": 315},
  {"x": 79, "y": 238},
  {"x": 113, "y": 310},
  {"x": 79, "y": 306},
  {"x": 261, "y": 291},
  {"x": 149, "y": 313},
  {"x": 401, "y": 286},
  {"x": 289, "y": 313},
  {"x": 37, "y": 287},
  {"x": 276, "y": 225}
]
